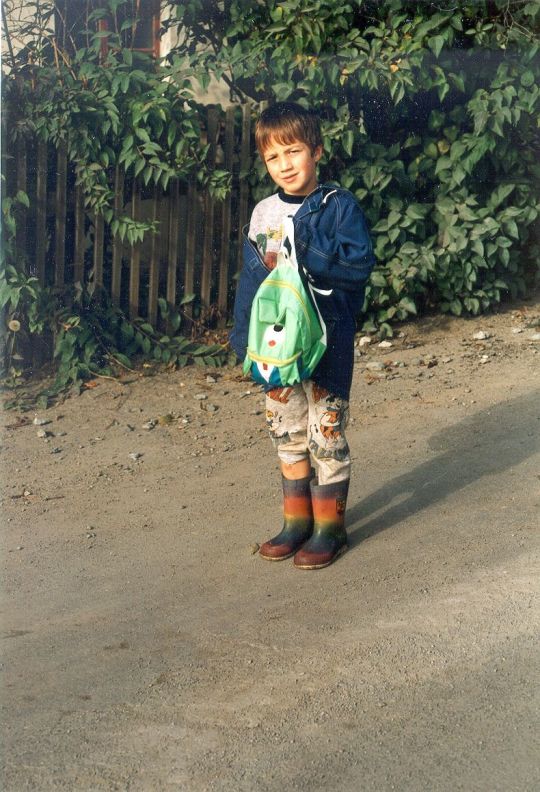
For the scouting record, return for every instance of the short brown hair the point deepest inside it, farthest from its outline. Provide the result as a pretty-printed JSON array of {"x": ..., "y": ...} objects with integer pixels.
[{"x": 287, "y": 122}]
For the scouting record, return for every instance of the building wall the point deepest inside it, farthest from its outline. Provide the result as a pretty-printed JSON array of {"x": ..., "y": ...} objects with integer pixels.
[{"x": 218, "y": 91}]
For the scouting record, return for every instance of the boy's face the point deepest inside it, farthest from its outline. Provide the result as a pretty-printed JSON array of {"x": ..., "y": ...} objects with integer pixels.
[{"x": 292, "y": 166}]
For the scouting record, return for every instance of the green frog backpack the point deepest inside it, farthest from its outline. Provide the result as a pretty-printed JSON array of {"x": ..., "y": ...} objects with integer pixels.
[{"x": 287, "y": 335}]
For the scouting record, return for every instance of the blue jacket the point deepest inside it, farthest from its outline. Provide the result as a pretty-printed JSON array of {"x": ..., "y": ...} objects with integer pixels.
[{"x": 333, "y": 245}]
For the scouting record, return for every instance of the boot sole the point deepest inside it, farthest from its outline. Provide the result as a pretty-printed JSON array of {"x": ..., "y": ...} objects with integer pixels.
[
  {"x": 327, "y": 563},
  {"x": 278, "y": 558}
]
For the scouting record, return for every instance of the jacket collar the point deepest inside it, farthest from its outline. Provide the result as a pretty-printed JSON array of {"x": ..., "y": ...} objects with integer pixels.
[{"x": 313, "y": 202}]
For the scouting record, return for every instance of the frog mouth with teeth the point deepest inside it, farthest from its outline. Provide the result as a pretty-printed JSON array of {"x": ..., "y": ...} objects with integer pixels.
[{"x": 273, "y": 338}]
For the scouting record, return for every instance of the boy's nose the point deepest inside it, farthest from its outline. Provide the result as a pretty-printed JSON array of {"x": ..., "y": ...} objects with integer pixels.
[{"x": 285, "y": 164}]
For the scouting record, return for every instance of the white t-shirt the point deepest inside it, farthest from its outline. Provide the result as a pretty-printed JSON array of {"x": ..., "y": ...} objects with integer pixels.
[{"x": 266, "y": 226}]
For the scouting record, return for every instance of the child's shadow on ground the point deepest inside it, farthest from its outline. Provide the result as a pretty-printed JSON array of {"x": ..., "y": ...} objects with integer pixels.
[{"x": 488, "y": 442}]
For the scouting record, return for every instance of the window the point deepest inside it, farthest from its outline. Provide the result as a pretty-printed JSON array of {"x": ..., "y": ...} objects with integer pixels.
[{"x": 137, "y": 22}]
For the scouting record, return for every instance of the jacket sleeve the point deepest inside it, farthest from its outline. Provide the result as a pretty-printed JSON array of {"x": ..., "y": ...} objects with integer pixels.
[{"x": 340, "y": 256}]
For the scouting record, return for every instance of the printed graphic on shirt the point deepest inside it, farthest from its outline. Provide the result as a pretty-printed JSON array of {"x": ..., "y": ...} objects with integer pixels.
[
  {"x": 266, "y": 226},
  {"x": 269, "y": 244}
]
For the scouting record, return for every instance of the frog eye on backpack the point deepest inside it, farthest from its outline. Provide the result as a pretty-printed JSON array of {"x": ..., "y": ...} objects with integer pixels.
[{"x": 278, "y": 328}]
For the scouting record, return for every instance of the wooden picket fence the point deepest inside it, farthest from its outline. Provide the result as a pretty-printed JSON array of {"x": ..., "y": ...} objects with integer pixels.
[{"x": 196, "y": 251}]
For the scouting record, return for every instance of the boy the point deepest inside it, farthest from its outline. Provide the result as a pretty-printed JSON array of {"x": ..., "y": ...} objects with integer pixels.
[{"x": 307, "y": 421}]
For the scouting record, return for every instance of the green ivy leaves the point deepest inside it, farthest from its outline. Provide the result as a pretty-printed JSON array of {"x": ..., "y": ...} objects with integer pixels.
[
  {"x": 92, "y": 336},
  {"x": 430, "y": 118},
  {"x": 113, "y": 108}
]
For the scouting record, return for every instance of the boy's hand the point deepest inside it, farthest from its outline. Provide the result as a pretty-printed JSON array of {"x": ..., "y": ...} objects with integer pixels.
[{"x": 270, "y": 260}]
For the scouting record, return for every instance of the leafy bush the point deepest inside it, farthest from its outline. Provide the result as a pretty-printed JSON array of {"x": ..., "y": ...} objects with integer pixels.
[
  {"x": 111, "y": 107},
  {"x": 92, "y": 336},
  {"x": 430, "y": 118}
]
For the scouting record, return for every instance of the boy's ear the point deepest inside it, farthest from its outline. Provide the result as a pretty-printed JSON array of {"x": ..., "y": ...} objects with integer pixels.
[{"x": 317, "y": 154}]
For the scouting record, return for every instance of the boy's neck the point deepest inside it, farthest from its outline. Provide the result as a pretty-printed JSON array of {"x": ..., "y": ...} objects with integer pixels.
[
  {"x": 295, "y": 199},
  {"x": 288, "y": 198}
]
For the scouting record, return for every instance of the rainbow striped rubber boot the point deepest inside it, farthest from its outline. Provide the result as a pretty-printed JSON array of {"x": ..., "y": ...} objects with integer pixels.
[
  {"x": 297, "y": 524},
  {"x": 329, "y": 538}
]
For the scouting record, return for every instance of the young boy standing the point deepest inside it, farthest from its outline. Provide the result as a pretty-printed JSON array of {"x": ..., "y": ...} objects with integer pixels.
[{"x": 307, "y": 421}]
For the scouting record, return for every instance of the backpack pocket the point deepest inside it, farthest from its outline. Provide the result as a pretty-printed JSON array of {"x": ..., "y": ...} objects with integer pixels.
[{"x": 267, "y": 311}]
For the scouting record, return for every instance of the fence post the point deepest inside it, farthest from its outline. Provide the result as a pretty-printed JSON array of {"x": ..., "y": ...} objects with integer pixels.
[
  {"x": 78, "y": 258},
  {"x": 135, "y": 263},
  {"x": 41, "y": 210},
  {"x": 60, "y": 210},
  {"x": 192, "y": 203},
  {"x": 99, "y": 239},
  {"x": 245, "y": 156},
  {"x": 172, "y": 254},
  {"x": 154, "y": 265},
  {"x": 209, "y": 213},
  {"x": 21, "y": 235},
  {"x": 116, "y": 276},
  {"x": 223, "y": 286}
]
